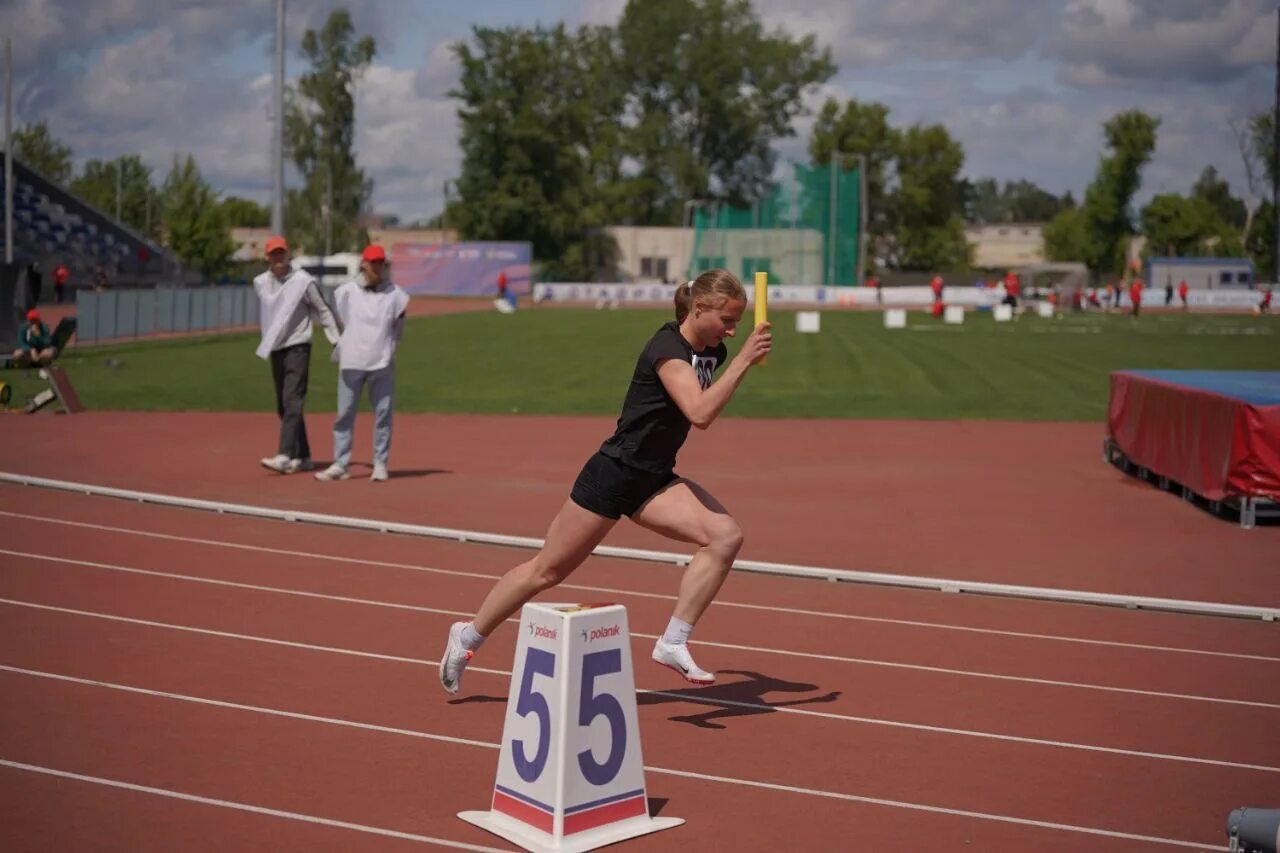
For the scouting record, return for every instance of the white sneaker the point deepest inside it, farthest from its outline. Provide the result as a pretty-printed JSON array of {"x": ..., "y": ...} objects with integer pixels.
[
  {"x": 278, "y": 463},
  {"x": 379, "y": 474},
  {"x": 333, "y": 472},
  {"x": 678, "y": 658},
  {"x": 455, "y": 659}
]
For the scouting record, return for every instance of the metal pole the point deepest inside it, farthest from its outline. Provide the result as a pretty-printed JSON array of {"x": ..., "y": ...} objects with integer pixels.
[
  {"x": 328, "y": 209},
  {"x": 277, "y": 148},
  {"x": 8, "y": 151},
  {"x": 831, "y": 227},
  {"x": 1275, "y": 153},
  {"x": 862, "y": 220},
  {"x": 119, "y": 186}
]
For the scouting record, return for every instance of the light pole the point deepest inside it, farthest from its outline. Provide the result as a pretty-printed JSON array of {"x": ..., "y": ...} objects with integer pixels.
[{"x": 277, "y": 147}]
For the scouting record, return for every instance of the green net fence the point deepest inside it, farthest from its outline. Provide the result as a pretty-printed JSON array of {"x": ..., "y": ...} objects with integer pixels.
[{"x": 804, "y": 232}]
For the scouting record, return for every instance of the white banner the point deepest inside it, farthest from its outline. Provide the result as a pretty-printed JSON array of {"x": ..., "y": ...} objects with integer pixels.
[{"x": 809, "y": 295}]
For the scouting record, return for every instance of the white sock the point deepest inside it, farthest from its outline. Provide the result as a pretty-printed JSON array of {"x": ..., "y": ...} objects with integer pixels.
[
  {"x": 471, "y": 638},
  {"x": 677, "y": 633}
]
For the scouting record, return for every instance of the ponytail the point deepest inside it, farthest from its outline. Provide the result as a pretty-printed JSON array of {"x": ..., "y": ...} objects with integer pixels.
[{"x": 683, "y": 300}]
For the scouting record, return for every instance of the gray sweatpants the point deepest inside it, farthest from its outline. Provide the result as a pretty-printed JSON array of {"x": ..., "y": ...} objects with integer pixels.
[{"x": 382, "y": 386}]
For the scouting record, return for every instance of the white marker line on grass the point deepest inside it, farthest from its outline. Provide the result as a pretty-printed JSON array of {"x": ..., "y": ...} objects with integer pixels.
[
  {"x": 246, "y": 807},
  {"x": 639, "y": 594},
  {"x": 694, "y": 698},
  {"x": 1022, "y": 679},
  {"x": 811, "y": 792}
]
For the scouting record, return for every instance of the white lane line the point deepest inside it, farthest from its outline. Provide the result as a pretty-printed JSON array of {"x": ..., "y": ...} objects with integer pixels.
[
  {"x": 913, "y": 623},
  {"x": 913, "y": 667},
  {"x": 748, "y": 783},
  {"x": 247, "y": 807},
  {"x": 693, "y": 698}
]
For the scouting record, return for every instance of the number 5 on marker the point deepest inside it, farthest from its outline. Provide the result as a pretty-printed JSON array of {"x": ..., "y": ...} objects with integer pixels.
[{"x": 591, "y": 706}]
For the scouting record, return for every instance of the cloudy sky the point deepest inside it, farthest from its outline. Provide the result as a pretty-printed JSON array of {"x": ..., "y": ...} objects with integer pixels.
[{"x": 1024, "y": 84}]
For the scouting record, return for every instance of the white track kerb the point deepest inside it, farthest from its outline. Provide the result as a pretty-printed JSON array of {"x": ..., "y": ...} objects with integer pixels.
[{"x": 1133, "y": 602}]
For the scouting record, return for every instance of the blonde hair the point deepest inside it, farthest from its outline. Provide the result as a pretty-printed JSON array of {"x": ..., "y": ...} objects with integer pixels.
[{"x": 716, "y": 286}]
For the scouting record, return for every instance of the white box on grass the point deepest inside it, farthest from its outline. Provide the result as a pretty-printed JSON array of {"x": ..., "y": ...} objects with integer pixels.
[
  {"x": 953, "y": 314},
  {"x": 895, "y": 318},
  {"x": 808, "y": 322},
  {"x": 1045, "y": 309},
  {"x": 1002, "y": 313}
]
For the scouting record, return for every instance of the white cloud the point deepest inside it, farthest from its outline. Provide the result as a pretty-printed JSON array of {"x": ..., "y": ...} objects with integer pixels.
[
  {"x": 406, "y": 139},
  {"x": 872, "y": 32},
  {"x": 1103, "y": 43},
  {"x": 162, "y": 77}
]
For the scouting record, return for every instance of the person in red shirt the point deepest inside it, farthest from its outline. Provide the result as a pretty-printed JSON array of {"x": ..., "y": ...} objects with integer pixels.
[
  {"x": 60, "y": 276},
  {"x": 1011, "y": 289},
  {"x": 1264, "y": 307},
  {"x": 1135, "y": 296},
  {"x": 502, "y": 284},
  {"x": 1182, "y": 293},
  {"x": 874, "y": 281}
]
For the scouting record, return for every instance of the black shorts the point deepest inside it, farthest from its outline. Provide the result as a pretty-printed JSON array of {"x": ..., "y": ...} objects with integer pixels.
[{"x": 612, "y": 489}]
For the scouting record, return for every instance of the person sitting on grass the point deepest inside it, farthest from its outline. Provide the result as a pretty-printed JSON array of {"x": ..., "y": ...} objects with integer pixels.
[{"x": 35, "y": 343}]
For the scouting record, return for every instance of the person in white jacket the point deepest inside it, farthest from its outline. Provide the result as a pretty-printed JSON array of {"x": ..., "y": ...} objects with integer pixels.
[
  {"x": 372, "y": 310},
  {"x": 290, "y": 300}
]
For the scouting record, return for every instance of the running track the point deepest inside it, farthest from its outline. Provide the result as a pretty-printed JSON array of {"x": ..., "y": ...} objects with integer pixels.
[{"x": 171, "y": 679}]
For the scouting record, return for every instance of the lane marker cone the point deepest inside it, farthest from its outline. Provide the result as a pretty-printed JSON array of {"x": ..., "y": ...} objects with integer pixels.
[{"x": 571, "y": 774}]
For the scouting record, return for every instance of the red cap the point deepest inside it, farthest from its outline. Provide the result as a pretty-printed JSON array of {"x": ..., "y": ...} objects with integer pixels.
[
  {"x": 374, "y": 252},
  {"x": 276, "y": 244},
  {"x": 33, "y": 316}
]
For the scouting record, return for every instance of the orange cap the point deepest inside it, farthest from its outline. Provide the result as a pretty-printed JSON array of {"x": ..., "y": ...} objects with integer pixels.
[
  {"x": 276, "y": 243},
  {"x": 33, "y": 316},
  {"x": 374, "y": 252}
]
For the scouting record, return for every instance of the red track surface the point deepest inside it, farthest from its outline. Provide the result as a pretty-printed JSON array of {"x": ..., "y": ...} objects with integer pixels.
[{"x": 308, "y": 686}]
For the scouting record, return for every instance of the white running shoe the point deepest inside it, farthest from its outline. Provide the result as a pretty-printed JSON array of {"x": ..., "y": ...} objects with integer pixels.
[
  {"x": 333, "y": 472},
  {"x": 455, "y": 659},
  {"x": 278, "y": 463},
  {"x": 379, "y": 474},
  {"x": 677, "y": 657}
]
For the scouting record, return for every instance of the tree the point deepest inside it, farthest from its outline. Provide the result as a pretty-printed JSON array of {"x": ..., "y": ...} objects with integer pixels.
[
  {"x": 1131, "y": 139},
  {"x": 982, "y": 201},
  {"x": 320, "y": 138},
  {"x": 1261, "y": 242},
  {"x": 541, "y": 153},
  {"x": 930, "y": 231},
  {"x": 38, "y": 149},
  {"x": 1026, "y": 202},
  {"x": 709, "y": 92},
  {"x": 243, "y": 213},
  {"x": 1018, "y": 201},
  {"x": 195, "y": 225},
  {"x": 1179, "y": 226},
  {"x": 1066, "y": 236},
  {"x": 859, "y": 129},
  {"x": 1217, "y": 192},
  {"x": 138, "y": 204}
]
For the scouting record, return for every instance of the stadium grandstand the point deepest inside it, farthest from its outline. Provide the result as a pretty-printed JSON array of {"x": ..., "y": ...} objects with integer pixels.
[{"x": 52, "y": 226}]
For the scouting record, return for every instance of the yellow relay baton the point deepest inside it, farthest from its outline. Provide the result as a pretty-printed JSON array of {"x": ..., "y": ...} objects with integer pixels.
[{"x": 762, "y": 302}]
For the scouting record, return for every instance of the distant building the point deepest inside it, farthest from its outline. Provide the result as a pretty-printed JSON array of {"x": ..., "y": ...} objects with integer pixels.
[
  {"x": 1002, "y": 245},
  {"x": 1201, "y": 273}
]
